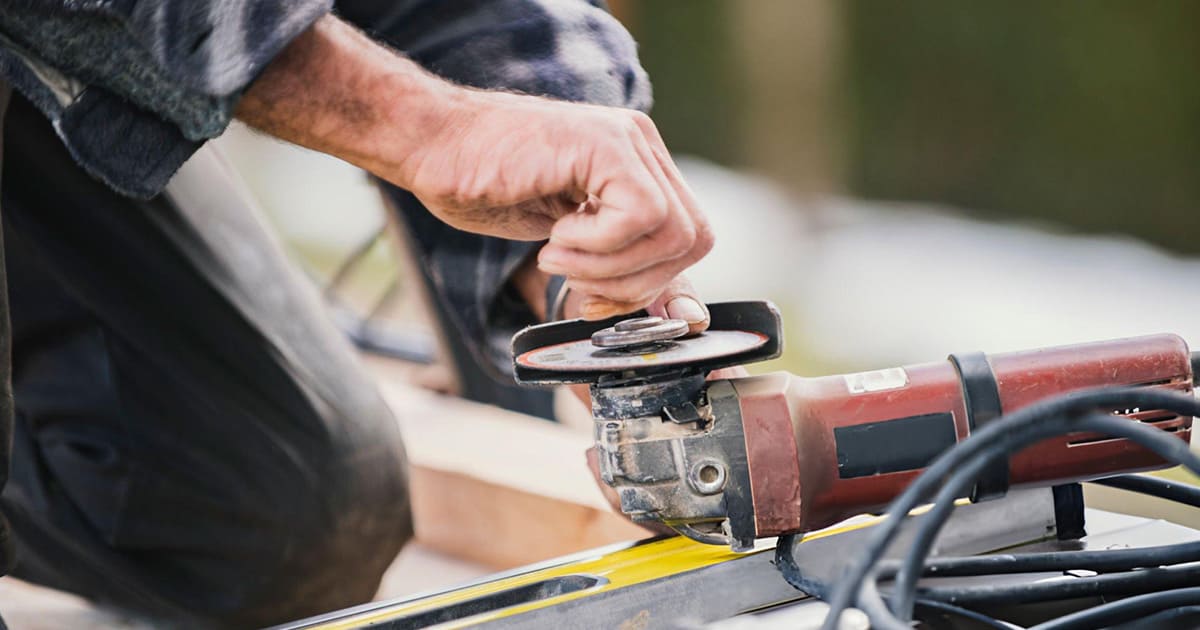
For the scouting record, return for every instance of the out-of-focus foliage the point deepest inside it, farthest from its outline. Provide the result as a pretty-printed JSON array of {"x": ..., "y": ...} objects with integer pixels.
[
  {"x": 1084, "y": 113},
  {"x": 698, "y": 92}
]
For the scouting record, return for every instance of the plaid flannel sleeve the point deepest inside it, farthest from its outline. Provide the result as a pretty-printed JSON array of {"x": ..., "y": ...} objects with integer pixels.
[{"x": 133, "y": 88}]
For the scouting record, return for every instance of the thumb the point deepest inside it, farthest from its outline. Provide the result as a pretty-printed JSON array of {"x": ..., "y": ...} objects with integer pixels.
[{"x": 679, "y": 301}]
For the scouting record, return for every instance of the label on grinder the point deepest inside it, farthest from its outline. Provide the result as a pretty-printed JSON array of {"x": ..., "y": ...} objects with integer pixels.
[{"x": 876, "y": 380}]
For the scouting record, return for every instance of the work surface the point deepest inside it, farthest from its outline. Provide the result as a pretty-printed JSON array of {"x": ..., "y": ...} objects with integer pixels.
[
  {"x": 657, "y": 584},
  {"x": 479, "y": 476}
]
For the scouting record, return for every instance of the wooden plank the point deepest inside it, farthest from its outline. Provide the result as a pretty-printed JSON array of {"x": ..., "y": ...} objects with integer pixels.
[
  {"x": 504, "y": 526},
  {"x": 496, "y": 487}
]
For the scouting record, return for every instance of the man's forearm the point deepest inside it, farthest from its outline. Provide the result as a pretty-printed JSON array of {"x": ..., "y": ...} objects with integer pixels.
[
  {"x": 494, "y": 163},
  {"x": 335, "y": 90}
]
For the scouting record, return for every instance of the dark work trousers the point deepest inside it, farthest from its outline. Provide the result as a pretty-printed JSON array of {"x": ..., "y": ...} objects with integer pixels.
[
  {"x": 193, "y": 438},
  {"x": 7, "y": 552}
]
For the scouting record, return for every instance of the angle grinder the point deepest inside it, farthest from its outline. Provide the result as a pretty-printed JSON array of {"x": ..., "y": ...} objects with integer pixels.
[{"x": 728, "y": 461}]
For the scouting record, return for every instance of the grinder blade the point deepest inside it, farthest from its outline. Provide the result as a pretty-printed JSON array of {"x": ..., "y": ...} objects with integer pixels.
[
  {"x": 564, "y": 352},
  {"x": 584, "y": 355}
]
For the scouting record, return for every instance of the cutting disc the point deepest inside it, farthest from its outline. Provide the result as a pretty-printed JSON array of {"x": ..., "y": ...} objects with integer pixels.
[{"x": 581, "y": 355}]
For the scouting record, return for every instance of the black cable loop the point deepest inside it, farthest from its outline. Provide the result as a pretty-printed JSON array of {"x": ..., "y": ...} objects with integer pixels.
[
  {"x": 1064, "y": 414},
  {"x": 1166, "y": 445}
]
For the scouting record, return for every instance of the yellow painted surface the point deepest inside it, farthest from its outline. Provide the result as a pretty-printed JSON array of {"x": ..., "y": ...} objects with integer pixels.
[
  {"x": 624, "y": 567},
  {"x": 1180, "y": 474}
]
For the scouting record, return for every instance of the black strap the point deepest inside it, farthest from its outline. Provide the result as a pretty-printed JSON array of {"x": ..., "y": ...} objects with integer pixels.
[
  {"x": 982, "y": 396},
  {"x": 1069, "y": 517},
  {"x": 556, "y": 297}
]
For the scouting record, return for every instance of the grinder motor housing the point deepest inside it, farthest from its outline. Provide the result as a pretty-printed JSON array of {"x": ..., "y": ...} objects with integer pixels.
[{"x": 728, "y": 461}]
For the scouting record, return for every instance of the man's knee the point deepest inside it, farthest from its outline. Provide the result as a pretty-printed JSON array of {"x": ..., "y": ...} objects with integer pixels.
[
  {"x": 308, "y": 521},
  {"x": 345, "y": 533}
]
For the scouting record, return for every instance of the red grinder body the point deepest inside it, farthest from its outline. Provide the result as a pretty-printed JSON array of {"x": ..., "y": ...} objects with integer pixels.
[{"x": 823, "y": 449}]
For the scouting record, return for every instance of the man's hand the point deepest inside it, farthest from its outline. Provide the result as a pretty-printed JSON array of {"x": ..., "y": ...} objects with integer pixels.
[
  {"x": 677, "y": 300},
  {"x": 597, "y": 182}
]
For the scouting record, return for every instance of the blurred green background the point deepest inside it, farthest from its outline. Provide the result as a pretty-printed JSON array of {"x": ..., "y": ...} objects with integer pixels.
[{"x": 1081, "y": 114}]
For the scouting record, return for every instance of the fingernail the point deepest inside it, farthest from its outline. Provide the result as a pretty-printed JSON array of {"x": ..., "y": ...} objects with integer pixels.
[{"x": 687, "y": 309}]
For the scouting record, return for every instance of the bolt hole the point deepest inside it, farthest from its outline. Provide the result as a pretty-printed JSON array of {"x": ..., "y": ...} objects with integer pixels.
[{"x": 707, "y": 477}]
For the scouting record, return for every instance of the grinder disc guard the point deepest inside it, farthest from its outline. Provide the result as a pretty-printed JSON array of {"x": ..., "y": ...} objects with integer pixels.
[{"x": 562, "y": 352}]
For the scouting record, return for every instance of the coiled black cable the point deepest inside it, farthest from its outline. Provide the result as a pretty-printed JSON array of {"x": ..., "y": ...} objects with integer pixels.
[
  {"x": 961, "y": 465},
  {"x": 1104, "y": 560},
  {"x": 930, "y": 523},
  {"x": 1124, "y": 610},
  {"x": 1124, "y": 583}
]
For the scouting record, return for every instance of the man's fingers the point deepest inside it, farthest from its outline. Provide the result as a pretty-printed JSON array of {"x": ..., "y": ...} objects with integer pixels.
[
  {"x": 638, "y": 288},
  {"x": 684, "y": 232},
  {"x": 645, "y": 229},
  {"x": 636, "y": 197},
  {"x": 643, "y": 286},
  {"x": 622, "y": 213},
  {"x": 680, "y": 301},
  {"x": 645, "y": 252}
]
